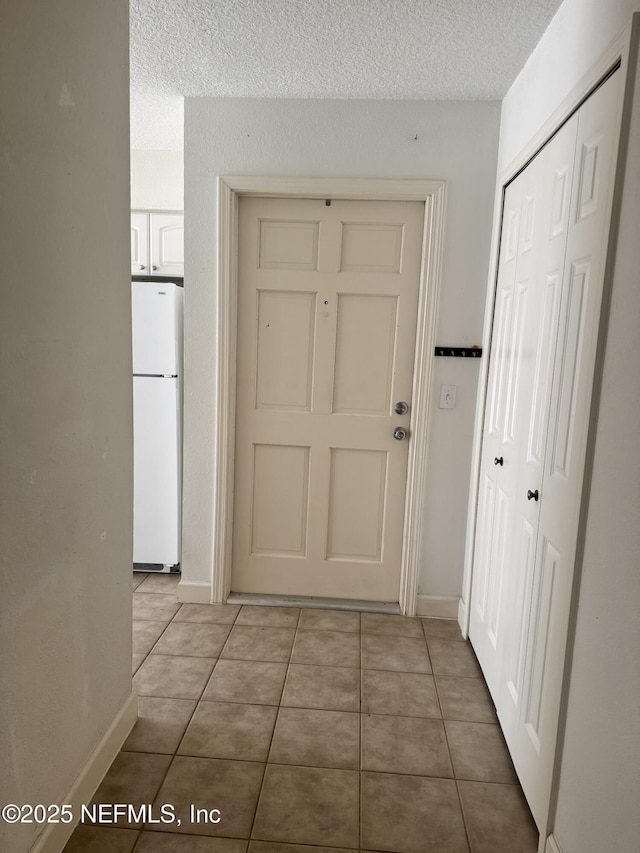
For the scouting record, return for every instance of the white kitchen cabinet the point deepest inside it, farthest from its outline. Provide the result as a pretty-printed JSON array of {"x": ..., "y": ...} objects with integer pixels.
[
  {"x": 139, "y": 243},
  {"x": 157, "y": 243}
]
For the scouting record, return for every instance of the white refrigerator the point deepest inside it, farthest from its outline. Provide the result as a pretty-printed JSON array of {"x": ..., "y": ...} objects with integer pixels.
[{"x": 157, "y": 424}]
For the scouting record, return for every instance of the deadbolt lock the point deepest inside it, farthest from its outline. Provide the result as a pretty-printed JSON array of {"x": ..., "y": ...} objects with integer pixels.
[{"x": 401, "y": 408}]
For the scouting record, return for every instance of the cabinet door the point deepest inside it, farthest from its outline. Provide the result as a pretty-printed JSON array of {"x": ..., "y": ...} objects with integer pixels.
[
  {"x": 139, "y": 244},
  {"x": 167, "y": 244}
]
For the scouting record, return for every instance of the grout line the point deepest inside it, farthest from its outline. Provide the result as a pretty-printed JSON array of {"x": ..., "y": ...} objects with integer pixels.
[
  {"x": 175, "y": 752},
  {"x": 360, "y": 756},
  {"x": 273, "y": 732}
]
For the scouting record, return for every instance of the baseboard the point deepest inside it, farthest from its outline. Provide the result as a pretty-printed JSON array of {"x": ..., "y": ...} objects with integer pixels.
[
  {"x": 437, "y": 606},
  {"x": 194, "y": 592},
  {"x": 552, "y": 845},
  {"x": 56, "y": 835}
]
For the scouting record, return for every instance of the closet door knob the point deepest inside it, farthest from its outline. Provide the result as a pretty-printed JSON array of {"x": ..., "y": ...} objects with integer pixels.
[
  {"x": 499, "y": 460},
  {"x": 532, "y": 495}
]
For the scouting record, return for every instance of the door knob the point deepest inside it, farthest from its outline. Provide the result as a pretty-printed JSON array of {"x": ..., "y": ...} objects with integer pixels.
[
  {"x": 142, "y": 267},
  {"x": 401, "y": 408},
  {"x": 532, "y": 495},
  {"x": 499, "y": 460},
  {"x": 400, "y": 433}
]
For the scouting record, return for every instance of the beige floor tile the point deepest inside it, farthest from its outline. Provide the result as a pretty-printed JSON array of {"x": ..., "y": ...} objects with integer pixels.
[
  {"x": 395, "y": 626},
  {"x": 154, "y": 606},
  {"x": 446, "y": 630},
  {"x": 479, "y": 752},
  {"x": 252, "y": 643},
  {"x": 138, "y": 577},
  {"x": 145, "y": 635},
  {"x": 329, "y": 620},
  {"x": 331, "y": 688},
  {"x": 255, "y": 682},
  {"x": 161, "y": 724},
  {"x": 193, "y": 639},
  {"x": 168, "y": 842},
  {"x": 232, "y": 787},
  {"x": 269, "y": 617},
  {"x": 308, "y": 805},
  {"x": 133, "y": 778},
  {"x": 401, "y": 654},
  {"x": 465, "y": 699},
  {"x": 327, "y": 648},
  {"x": 279, "y": 847},
  {"x": 498, "y": 819},
  {"x": 135, "y": 663},
  {"x": 161, "y": 582},
  {"x": 224, "y": 614},
  {"x": 411, "y": 814},
  {"x": 317, "y": 739},
  {"x": 99, "y": 839},
  {"x": 454, "y": 659},
  {"x": 407, "y": 694},
  {"x": 173, "y": 677},
  {"x": 405, "y": 745},
  {"x": 227, "y": 730}
]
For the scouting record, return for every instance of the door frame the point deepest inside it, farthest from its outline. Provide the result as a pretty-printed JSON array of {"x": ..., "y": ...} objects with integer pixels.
[{"x": 230, "y": 189}]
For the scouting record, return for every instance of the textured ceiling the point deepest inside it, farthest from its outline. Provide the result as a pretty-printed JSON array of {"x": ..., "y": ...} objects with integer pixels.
[{"x": 400, "y": 49}]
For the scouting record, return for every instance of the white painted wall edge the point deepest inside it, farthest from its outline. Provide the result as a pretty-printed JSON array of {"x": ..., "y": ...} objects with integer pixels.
[
  {"x": 56, "y": 835},
  {"x": 194, "y": 592},
  {"x": 552, "y": 845},
  {"x": 618, "y": 50},
  {"x": 438, "y": 606}
]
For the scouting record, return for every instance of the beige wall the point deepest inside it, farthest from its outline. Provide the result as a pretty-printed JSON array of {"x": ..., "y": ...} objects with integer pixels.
[
  {"x": 597, "y": 807},
  {"x": 66, "y": 500},
  {"x": 455, "y": 141}
]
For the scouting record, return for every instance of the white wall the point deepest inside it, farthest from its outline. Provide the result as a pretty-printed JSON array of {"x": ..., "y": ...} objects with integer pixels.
[
  {"x": 157, "y": 180},
  {"x": 597, "y": 806},
  {"x": 576, "y": 37},
  {"x": 455, "y": 141},
  {"x": 66, "y": 501}
]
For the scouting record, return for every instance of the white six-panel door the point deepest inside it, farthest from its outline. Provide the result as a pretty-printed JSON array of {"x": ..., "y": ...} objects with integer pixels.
[
  {"x": 327, "y": 307},
  {"x": 549, "y": 293},
  {"x": 536, "y": 215}
]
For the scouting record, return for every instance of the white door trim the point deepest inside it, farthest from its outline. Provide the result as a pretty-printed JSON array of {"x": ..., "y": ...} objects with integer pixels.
[{"x": 432, "y": 193}]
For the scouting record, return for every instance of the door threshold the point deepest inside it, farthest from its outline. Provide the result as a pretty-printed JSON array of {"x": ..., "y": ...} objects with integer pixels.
[{"x": 314, "y": 602}]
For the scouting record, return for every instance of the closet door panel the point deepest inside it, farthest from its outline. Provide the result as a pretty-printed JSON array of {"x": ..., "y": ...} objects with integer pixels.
[
  {"x": 493, "y": 504},
  {"x": 560, "y": 480},
  {"x": 553, "y": 176}
]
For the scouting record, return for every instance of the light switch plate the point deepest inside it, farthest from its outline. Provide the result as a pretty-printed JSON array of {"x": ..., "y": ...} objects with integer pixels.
[{"x": 448, "y": 396}]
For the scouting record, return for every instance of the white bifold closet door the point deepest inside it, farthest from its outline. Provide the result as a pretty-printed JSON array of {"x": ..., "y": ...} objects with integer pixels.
[{"x": 550, "y": 277}]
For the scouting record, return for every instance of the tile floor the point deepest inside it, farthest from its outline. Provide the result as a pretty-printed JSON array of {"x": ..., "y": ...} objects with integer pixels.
[{"x": 309, "y": 730}]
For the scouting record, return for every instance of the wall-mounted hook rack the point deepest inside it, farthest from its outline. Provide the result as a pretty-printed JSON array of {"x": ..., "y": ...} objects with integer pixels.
[{"x": 459, "y": 352}]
